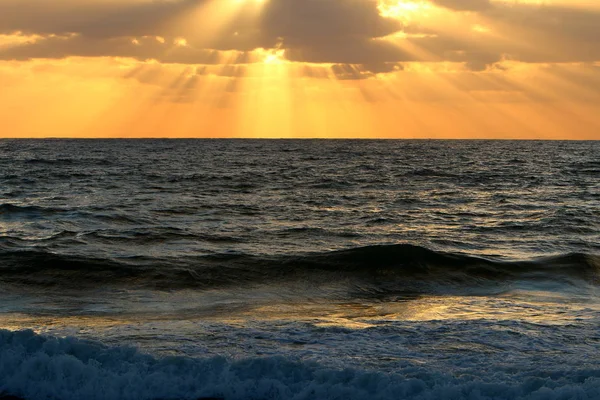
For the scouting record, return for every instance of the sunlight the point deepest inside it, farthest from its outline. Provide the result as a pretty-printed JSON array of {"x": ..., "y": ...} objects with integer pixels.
[
  {"x": 404, "y": 10},
  {"x": 265, "y": 98},
  {"x": 213, "y": 21},
  {"x": 272, "y": 56},
  {"x": 237, "y": 59},
  {"x": 182, "y": 42}
]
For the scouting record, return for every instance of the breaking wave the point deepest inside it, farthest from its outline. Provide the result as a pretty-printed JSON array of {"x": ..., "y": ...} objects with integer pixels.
[{"x": 33, "y": 366}]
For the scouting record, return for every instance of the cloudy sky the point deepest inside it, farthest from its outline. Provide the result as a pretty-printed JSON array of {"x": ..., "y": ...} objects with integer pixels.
[{"x": 300, "y": 68}]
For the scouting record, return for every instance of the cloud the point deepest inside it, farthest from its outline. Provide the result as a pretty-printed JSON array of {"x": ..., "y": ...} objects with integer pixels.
[
  {"x": 92, "y": 18},
  {"x": 464, "y": 5},
  {"x": 340, "y": 32},
  {"x": 143, "y": 48}
]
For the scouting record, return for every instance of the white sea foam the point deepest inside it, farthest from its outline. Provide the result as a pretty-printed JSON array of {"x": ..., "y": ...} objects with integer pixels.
[{"x": 44, "y": 367}]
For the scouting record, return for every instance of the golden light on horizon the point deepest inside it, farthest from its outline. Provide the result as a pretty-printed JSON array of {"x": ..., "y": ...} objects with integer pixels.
[{"x": 274, "y": 68}]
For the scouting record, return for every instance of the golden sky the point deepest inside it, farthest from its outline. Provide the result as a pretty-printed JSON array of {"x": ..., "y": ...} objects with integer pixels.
[{"x": 300, "y": 68}]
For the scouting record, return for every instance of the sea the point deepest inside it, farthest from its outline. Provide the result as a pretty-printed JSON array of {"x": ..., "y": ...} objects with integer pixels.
[{"x": 299, "y": 269}]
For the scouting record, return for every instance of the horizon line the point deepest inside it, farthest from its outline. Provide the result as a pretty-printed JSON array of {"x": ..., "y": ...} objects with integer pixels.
[{"x": 300, "y": 138}]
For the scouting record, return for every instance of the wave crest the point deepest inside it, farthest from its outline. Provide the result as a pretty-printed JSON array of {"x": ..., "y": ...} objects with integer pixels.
[{"x": 393, "y": 268}]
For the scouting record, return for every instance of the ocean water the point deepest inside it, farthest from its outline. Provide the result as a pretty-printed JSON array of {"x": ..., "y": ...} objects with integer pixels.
[{"x": 259, "y": 269}]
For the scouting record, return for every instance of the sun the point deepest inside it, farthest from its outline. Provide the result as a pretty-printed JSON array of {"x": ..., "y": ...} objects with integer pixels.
[
  {"x": 404, "y": 10},
  {"x": 274, "y": 57}
]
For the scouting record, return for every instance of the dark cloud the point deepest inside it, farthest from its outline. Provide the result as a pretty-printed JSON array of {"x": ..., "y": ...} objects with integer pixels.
[
  {"x": 310, "y": 30},
  {"x": 93, "y": 18},
  {"x": 340, "y": 32},
  {"x": 308, "y": 22},
  {"x": 298, "y": 22},
  {"x": 362, "y": 71},
  {"x": 464, "y": 5}
]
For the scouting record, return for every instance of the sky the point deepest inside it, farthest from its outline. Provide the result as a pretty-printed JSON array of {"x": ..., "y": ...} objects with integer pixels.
[{"x": 506, "y": 69}]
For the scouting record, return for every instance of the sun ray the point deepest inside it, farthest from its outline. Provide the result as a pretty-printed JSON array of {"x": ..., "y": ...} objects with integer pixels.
[{"x": 211, "y": 22}]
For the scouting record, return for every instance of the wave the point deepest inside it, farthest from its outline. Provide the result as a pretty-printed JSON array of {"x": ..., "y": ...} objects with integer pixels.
[
  {"x": 63, "y": 162},
  {"x": 428, "y": 172},
  {"x": 9, "y": 210},
  {"x": 34, "y": 366},
  {"x": 400, "y": 268},
  {"x": 48, "y": 161},
  {"x": 14, "y": 209}
]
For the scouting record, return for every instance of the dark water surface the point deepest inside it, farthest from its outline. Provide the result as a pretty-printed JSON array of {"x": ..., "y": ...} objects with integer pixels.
[{"x": 310, "y": 269}]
